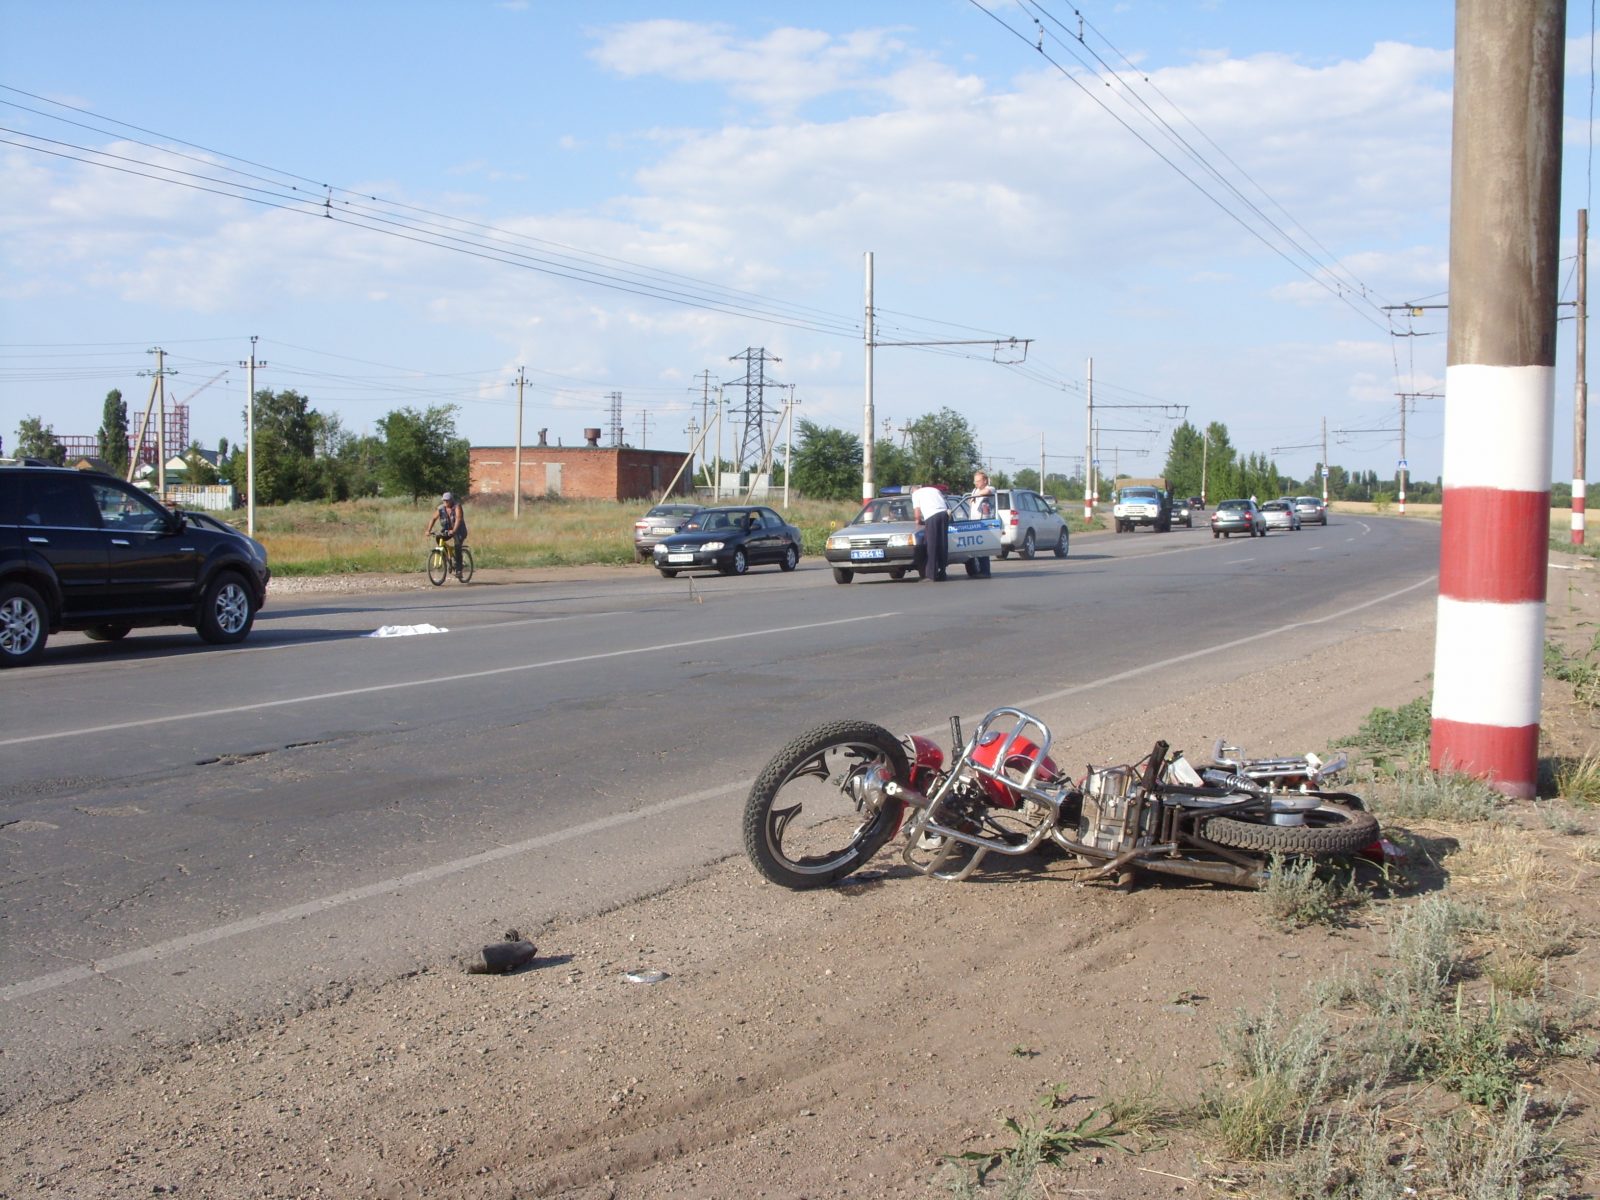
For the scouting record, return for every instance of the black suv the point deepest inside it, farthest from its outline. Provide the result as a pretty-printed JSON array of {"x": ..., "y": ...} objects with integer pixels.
[{"x": 82, "y": 550}]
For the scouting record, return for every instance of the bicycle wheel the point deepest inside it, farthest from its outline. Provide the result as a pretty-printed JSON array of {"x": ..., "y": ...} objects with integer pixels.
[
  {"x": 466, "y": 565},
  {"x": 437, "y": 567}
]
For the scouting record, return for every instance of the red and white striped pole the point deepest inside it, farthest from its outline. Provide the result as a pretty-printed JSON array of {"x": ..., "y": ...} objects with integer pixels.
[{"x": 1499, "y": 390}]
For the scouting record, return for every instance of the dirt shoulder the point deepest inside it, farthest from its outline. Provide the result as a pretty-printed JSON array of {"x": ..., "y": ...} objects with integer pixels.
[{"x": 827, "y": 1044}]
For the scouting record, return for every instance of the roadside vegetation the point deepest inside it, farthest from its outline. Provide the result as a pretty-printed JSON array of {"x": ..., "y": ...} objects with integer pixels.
[{"x": 1447, "y": 1060}]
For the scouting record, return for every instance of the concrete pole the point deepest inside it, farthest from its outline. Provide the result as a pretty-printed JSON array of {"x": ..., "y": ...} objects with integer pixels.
[
  {"x": 868, "y": 482},
  {"x": 1505, "y": 215},
  {"x": 1404, "y": 466},
  {"x": 1088, "y": 445},
  {"x": 1580, "y": 399},
  {"x": 1324, "y": 463},
  {"x": 716, "y": 481},
  {"x": 161, "y": 425},
  {"x": 516, "y": 490},
  {"x": 250, "y": 443}
]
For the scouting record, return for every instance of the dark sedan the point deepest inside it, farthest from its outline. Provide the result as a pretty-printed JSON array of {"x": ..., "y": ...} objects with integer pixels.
[{"x": 730, "y": 540}]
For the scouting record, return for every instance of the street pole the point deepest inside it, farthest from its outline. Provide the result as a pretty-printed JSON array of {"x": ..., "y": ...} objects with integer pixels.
[
  {"x": 1505, "y": 226},
  {"x": 1580, "y": 400},
  {"x": 161, "y": 425},
  {"x": 868, "y": 457},
  {"x": 1088, "y": 445},
  {"x": 1404, "y": 466},
  {"x": 250, "y": 439},
  {"x": 716, "y": 486},
  {"x": 1041, "y": 462},
  {"x": 1324, "y": 463},
  {"x": 516, "y": 492},
  {"x": 1205, "y": 453},
  {"x": 788, "y": 448}
]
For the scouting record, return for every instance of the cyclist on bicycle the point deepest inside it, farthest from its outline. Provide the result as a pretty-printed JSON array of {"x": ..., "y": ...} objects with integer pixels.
[{"x": 451, "y": 518}]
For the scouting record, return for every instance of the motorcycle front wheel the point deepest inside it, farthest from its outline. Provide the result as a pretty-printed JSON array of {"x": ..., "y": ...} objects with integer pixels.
[
  {"x": 1329, "y": 830},
  {"x": 819, "y": 810}
]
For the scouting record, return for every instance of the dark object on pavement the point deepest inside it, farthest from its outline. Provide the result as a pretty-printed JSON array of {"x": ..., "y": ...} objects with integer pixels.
[{"x": 502, "y": 958}]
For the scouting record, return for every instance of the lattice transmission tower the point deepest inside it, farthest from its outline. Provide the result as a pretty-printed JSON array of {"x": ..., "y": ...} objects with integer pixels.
[{"x": 753, "y": 436}]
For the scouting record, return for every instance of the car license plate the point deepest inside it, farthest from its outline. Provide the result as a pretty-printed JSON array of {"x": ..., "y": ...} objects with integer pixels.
[
  {"x": 859, "y": 555},
  {"x": 689, "y": 558}
]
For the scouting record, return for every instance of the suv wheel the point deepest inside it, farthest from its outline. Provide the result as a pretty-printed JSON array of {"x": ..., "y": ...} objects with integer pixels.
[
  {"x": 24, "y": 627},
  {"x": 1061, "y": 543},
  {"x": 227, "y": 611},
  {"x": 1027, "y": 545}
]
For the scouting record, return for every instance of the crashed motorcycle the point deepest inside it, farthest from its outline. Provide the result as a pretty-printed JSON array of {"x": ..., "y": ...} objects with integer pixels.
[{"x": 836, "y": 795}]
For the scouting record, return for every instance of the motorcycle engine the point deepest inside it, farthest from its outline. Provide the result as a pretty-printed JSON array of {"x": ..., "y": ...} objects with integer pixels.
[{"x": 1114, "y": 817}]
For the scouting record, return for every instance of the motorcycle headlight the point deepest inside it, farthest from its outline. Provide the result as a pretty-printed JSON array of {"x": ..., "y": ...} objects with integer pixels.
[{"x": 712, "y": 546}]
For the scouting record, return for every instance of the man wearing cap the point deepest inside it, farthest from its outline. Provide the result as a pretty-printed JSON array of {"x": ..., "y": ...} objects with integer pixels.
[
  {"x": 934, "y": 517},
  {"x": 451, "y": 518}
]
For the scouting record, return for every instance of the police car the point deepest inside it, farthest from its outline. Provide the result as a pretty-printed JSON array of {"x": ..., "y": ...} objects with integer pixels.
[{"x": 883, "y": 538}]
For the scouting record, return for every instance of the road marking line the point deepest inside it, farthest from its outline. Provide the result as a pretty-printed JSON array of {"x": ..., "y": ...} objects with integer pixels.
[
  {"x": 219, "y": 933},
  {"x": 146, "y": 954},
  {"x": 432, "y": 680}
]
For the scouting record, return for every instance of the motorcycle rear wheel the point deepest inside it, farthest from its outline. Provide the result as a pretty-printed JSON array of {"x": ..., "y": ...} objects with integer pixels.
[
  {"x": 1330, "y": 830},
  {"x": 817, "y": 811}
]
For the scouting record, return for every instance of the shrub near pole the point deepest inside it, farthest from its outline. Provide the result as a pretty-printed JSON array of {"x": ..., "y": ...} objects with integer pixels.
[{"x": 1499, "y": 389}]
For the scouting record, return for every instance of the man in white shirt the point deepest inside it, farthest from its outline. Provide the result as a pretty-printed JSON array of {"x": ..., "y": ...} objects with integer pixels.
[{"x": 934, "y": 517}]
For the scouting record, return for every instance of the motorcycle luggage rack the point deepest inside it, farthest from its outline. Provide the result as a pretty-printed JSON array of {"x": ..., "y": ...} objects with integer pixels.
[{"x": 1025, "y": 727}]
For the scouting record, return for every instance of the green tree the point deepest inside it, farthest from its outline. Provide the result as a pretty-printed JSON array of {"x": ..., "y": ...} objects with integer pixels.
[
  {"x": 35, "y": 439},
  {"x": 422, "y": 454},
  {"x": 112, "y": 440},
  {"x": 827, "y": 463},
  {"x": 1222, "y": 475},
  {"x": 1186, "y": 458},
  {"x": 891, "y": 465},
  {"x": 943, "y": 449},
  {"x": 1027, "y": 478},
  {"x": 285, "y": 431}
]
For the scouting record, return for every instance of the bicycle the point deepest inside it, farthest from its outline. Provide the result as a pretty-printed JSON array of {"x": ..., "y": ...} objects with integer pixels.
[{"x": 442, "y": 563}]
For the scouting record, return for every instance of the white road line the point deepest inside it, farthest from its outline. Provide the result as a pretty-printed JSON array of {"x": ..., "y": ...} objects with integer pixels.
[
  {"x": 383, "y": 887},
  {"x": 433, "y": 680},
  {"x": 218, "y": 933}
]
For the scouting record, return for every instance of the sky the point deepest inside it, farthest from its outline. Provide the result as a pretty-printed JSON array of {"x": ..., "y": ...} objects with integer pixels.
[{"x": 1217, "y": 202}]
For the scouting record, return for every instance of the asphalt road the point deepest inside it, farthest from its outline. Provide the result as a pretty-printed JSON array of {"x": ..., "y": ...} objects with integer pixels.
[{"x": 195, "y": 837}]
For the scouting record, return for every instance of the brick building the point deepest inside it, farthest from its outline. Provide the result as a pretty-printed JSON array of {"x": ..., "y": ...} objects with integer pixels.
[{"x": 577, "y": 472}]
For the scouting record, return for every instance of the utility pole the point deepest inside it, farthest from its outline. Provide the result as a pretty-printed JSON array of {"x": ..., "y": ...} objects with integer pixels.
[
  {"x": 868, "y": 457},
  {"x": 1324, "y": 462},
  {"x": 516, "y": 485},
  {"x": 867, "y": 470},
  {"x": 1505, "y": 226},
  {"x": 1404, "y": 465},
  {"x": 716, "y": 486},
  {"x": 1041, "y": 462},
  {"x": 1580, "y": 399},
  {"x": 1205, "y": 453},
  {"x": 1088, "y": 444},
  {"x": 250, "y": 439}
]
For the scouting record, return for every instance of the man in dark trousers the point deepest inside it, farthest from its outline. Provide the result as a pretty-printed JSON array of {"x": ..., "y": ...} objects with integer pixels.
[{"x": 934, "y": 517}]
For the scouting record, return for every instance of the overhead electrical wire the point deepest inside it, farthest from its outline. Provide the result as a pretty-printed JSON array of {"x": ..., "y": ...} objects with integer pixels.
[{"x": 1038, "y": 45}]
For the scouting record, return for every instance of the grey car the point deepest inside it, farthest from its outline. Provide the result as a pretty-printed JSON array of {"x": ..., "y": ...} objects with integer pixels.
[
  {"x": 1280, "y": 514},
  {"x": 1237, "y": 516},
  {"x": 659, "y": 522},
  {"x": 1311, "y": 509}
]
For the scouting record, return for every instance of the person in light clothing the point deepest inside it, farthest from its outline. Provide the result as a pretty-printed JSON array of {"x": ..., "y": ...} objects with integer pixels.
[
  {"x": 934, "y": 517},
  {"x": 982, "y": 507}
]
